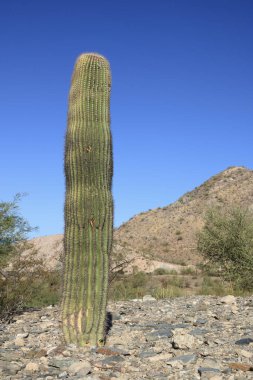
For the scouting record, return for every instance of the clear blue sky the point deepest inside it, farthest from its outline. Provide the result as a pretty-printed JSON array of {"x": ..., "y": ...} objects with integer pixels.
[{"x": 181, "y": 105}]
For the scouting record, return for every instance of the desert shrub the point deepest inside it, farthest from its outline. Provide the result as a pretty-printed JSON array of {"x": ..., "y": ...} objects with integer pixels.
[
  {"x": 226, "y": 244},
  {"x": 14, "y": 229},
  {"x": 138, "y": 280},
  {"x": 178, "y": 261},
  {"x": 46, "y": 289},
  {"x": 140, "y": 284},
  {"x": 213, "y": 287},
  {"x": 172, "y": 272},
  {"x": 129, "y": 286},
  {"x": 173, "y": 281},
  {"x": 169, "y": 292},
  {"x": 188, "y": 271},
  {"x": 16, "y": 285},
  {"x": 160, "y": 271},
  {"x": 15, "y": 278}
]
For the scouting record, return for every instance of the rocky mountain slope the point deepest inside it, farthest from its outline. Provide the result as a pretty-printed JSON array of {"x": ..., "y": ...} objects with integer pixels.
[
  {"x": 169, "y": 233},
  {"x": 166, "y": 237}
]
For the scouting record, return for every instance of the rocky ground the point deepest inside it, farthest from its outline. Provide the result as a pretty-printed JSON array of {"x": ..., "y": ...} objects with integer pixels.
[{"x": 199, "y": 337}]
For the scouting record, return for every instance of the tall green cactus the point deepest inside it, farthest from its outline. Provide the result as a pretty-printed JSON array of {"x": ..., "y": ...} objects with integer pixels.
[{"x": 88, "y": 203}]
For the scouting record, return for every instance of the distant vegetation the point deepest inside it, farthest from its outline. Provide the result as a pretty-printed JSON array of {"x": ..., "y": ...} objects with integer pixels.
[{"x": 225, "y": 243}]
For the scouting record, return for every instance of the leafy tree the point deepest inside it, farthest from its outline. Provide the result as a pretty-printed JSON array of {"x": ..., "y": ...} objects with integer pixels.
[
  {"x": 226, "y": 243},
  {"x": 16, "y": 273},
  {"x": 14, "y": 229}
]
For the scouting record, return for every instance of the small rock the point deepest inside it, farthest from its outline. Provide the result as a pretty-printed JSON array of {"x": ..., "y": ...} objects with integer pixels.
[
  {"x": 148, "y": 297},
  {"x": 200, "y": 321},
  {"x": 175, "y": 364},
  {"x": 63, "y": 364},
  {"x": 160, "y": 334},
  {"x": 203, "y": 370},
  {"x": 45, "y": 325},
  {"x": 23, "y": 335},
  {"x": 198, "y": 331},
  {"x": 228, "y": 300},
  {"x": 183, "y": 358},
  {"x": 234, "y": 309},
  {"x": 183, "y": 340},
  {"x": 245, "y": 353},
  {"x": 9, "y": 368},
  {"x": 80, "y": 368},
  {"x": 244, "y": 341},
  {"x": 32, "y": 367},
  {"x": 63, "y": 375},
  {"x": 19, "y": 342},
  {"x": 210, "y": 363},
  {"x": 44, "y": 318},
  {"x": 52, "y": 350},
  {"x": 241, "y": 366},
  {"x": 109, "y": 362},
  {"x": 116, "y": 317}
]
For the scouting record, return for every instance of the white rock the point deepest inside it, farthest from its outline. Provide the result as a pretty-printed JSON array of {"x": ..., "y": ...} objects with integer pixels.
[
  {"x": 175, "y": 364},
  {"x": 32, "y": 367},
  {"x": 63, "y": 375},
  {"x": 19, "y": 321},
  {"x": 46, "y": 324},
  {"x": 183, "y": 340},
  {"x": 19, "y": 342},
  {"x": 82, "y": 368},
  {"x": 208, "y": 362},
  {"x": 148, "y": 297},
  {"x": 44, "y": 360},
  {"x": 229, "y": 300},
  {"x": 23, "y": 335},
  {"x": 234, "y": 309},
  {"x": 51, "y": 349},
  {"x": 245, "y": 353}
]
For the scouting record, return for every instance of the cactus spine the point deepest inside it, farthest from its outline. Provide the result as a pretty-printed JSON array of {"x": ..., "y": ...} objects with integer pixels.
[{"x": 88, "y": 203}]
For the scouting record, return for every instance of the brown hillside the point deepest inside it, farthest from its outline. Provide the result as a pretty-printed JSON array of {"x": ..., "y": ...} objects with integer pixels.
[{"x": 168, "y": 234}]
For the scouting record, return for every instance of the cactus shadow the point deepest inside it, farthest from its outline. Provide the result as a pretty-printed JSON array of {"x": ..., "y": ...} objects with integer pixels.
[{"x": 108, "y": 324}]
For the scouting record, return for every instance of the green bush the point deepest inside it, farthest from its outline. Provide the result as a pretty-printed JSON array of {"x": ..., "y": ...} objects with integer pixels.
[
  {"x": 170, "y": 292},
  {"x": 14, "y": 229},
  {"x": 160, "y": 271},
  {"x": 16, "y": 285},
  {"x": 138, "y": 280},
  {"x": 16, "y": 272},
  {"x": 188, "y": 271},
  {"x": 213, "y": 287},
  {"x": 226, "y": 244}
]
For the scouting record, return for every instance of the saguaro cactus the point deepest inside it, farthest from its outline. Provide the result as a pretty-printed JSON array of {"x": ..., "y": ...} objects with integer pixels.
[{"x": 88, "y": 203}]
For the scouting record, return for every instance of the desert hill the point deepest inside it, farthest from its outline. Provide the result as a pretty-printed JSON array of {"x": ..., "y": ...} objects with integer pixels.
[
  {"x": 166, "y": 237},
  {"x": 169, "y": 233}
]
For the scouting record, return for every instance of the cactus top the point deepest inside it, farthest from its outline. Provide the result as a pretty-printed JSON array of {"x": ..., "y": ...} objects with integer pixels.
[
  {"x": 88, "y": 139},
  {"x": 91, "y": 72}
]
